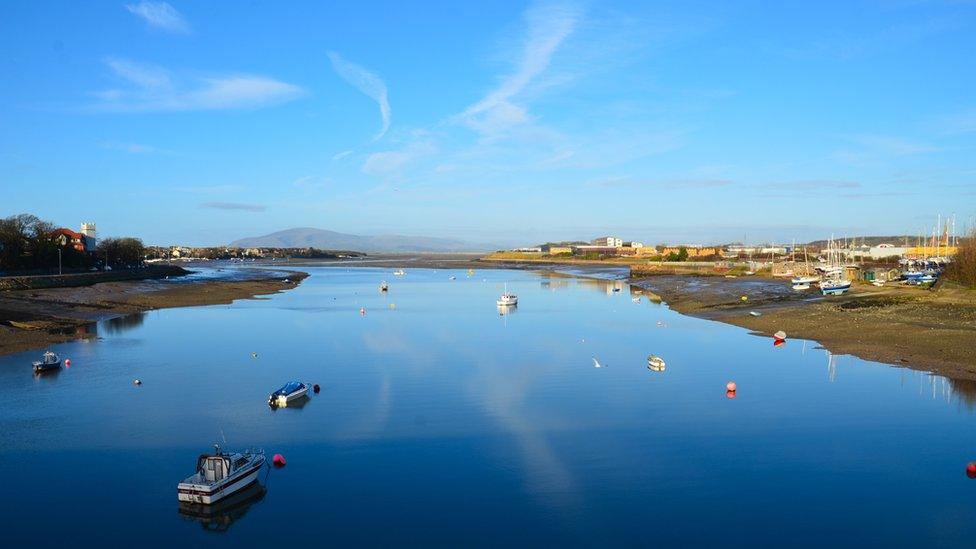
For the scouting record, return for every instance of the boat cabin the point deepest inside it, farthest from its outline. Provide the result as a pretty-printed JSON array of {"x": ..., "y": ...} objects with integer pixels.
[{"x": 217, "y": 467}]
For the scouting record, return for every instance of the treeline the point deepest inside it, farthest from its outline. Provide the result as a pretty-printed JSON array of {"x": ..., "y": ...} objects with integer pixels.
[
  {"x": 28, "y": 244},
  {"x": 963, "y": 266}
]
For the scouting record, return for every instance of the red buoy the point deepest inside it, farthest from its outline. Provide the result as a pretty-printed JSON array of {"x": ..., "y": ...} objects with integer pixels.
[
  {"x": 778, "y": 342},
  {"x": 730, "y": 386},
  {"x": 362, "y": 311},
  {"x": 278, "y": 460},
  {"x": 67, "y": 363},
  {"x": 730, "y": 394},
  {"x": 971, "y": 469},
  {"x": 316, "y": 388}
]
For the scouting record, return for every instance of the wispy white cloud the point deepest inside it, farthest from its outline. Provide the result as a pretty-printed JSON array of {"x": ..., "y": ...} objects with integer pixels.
[
  {"x": 234, "y": 206},
  {"x": 547, "y": 27},
  {"x": 391, "y": 164},
  {"x": 153, "y": 88},
  {"x": 340, "y": 155},
  {"x": 160, "y": 15},
  {"x": 366, "y": 82}
]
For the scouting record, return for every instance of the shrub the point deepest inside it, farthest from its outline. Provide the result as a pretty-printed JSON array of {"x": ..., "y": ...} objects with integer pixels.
[{"x": 963, "y": 266}]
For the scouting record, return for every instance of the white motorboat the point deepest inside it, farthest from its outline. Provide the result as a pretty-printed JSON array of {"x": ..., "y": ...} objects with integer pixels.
[
  {"x": 219, "y": 475},
  {"x": 655, "y": 363},
  {"x": 507, "y": 299},
  {"x": 289, "y": 392},
  {"x": 399, "y": 272},
  {"x": 808, "y": 280},
  {"x": 48, "y": 362},
  {"x": 803, "y": 286}
]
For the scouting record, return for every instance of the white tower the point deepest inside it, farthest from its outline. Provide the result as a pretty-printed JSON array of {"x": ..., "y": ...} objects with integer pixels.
[{"x": 88, "y": 229}]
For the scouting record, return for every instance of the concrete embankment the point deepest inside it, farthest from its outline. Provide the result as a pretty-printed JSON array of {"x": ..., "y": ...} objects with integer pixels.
[{"x": 74, "y": 280}]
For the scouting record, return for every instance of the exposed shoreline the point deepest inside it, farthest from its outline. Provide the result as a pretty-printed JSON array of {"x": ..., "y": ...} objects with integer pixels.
[
  {"x": 913, "y": 328},
  {"x": 33, "y": 319}
]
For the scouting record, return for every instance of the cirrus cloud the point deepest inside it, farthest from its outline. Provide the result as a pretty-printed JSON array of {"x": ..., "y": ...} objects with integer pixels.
[
  {"x": 153, "y": 88},
  {"x": 160, "y": 15}
]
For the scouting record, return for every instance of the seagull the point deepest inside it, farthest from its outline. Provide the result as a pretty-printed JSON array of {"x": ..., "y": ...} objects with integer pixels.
[{"x": 596, "y": 363}]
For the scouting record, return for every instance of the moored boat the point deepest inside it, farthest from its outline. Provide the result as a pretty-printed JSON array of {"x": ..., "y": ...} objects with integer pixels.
[
  {"x": 655, "y": 363},
  {"x": 399, "y": 272},
  {"x": 507, "y": 299},
  {"x": 289, "y": 392},
  {"x": 384, "y": 286},
  {"x": 48, "y": 362},
  {"x": 219, "y": 475}
]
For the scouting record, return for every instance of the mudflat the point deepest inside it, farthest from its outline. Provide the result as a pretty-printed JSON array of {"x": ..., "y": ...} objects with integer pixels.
[
  {"x": 916, "y": 328},
  {"x": 32, "y": 319}
]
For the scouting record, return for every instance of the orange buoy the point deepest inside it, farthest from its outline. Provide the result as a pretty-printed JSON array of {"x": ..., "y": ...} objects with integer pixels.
[
  {"x": 278, "y": 460},
  {"x": 730, "y": 386},
  {"x": 971, "y": 469},
  {"x": 730, "y": 394},
  {"x": 315, "y": 388}
]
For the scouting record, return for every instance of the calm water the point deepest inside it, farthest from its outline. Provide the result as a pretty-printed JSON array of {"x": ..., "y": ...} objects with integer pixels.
[{"x": 441, "y": 422}]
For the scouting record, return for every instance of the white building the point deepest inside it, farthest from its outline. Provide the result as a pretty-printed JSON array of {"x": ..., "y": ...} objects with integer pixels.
[
  {"x": 633, "y": 244},
  {"x": 882, "y": 251},
  {"x": 610, "y": 241}
]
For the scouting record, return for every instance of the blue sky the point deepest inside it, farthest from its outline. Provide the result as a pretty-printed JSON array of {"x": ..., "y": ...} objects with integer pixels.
[{"x": 506, "y": 122}]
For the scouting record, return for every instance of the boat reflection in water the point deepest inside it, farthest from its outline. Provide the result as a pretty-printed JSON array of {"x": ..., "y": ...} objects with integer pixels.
[
  {"x": 504, "y": 310},
  {"x": 219, "y": 516}
]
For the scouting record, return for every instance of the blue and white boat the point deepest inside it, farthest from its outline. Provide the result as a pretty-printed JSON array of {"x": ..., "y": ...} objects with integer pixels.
[
  {"x": 834, "y": 286},
  {"x": 48, "y": 362},
  {"x": 289, "y": 392}
]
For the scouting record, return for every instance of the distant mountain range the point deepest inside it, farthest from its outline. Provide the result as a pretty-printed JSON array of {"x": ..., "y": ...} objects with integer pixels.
[{"x": 307, "y": 237}]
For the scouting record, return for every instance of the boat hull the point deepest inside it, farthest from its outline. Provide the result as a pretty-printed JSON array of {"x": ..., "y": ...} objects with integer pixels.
[
  {"x": 834, "y": 289},
  {"x": 208, "y": 494},
  {"x": 283, "y": 400},
  {"x": 41, "y": 367}
]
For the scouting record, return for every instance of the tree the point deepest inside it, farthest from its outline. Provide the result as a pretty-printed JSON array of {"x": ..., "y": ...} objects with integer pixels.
[
  {"x": 121, "y": 252},
  {"x": 680, "y": 255},
  {"x": 25, "y": 243},
  {"x": 963, "y": 266}
]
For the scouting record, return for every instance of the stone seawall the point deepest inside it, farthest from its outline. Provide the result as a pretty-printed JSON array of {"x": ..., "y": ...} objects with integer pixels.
[{"x": 87, "y": 279}]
